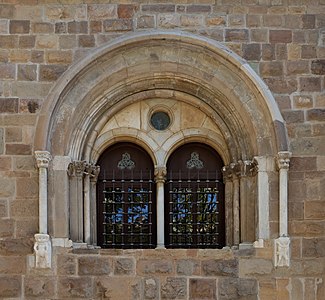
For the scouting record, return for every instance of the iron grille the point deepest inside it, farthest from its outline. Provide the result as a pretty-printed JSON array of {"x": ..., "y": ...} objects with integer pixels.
[
  {"x": 128, "y": 211},
  {"x": 195, "y": 218}
]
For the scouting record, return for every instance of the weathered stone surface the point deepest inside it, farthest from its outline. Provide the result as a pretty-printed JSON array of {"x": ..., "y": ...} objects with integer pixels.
[
  {"x": 280, "y": 36},
  {"x": 8, "y": 105},
  {"x": 12, "y": 265},
  {"x": 146, "y": 21},
  {"x": 19, "y": 26},
  {"x": 67, "y": 265},
  {"x": 39, "y": 287},
  {"x": 78, "y": 27},
  {"x": 124, "y": 266},
  {"x": 7, "y": 71},
  {"x": 249, "y": 267},
  {"x": 16, "y": 247},
  {"x": 27, "y": 72},
  {"x": 202, "y": 288},
  {"x": 313, "y": 247},
  {"x": 7, "y": 11},
  {"x": 27, "y": 41},
  {"x": 174, "y": 288},
  {"x": 153, "y": 266},
  {"x": 318, "y": 67},
  {"x": 94, "y": 265},
  {"x": 316, "y": 115},
  {"x": 130, "y": 288},
  {"x": 220, "y": 267},
  {"x": 236, "y": 35},
  {"x": 271, "y": 69},
  {"x": 10, "y": 286},
  {"x": 252, "y": 51},
  {"x": 118, "y": 25},
  {"x": 6, "y": 225},
  {"x": 307, "y": 228},
  {"x": 151, "y": 288},
  {"x": 74, "y": 287},
  {"x": 188, "y": 267},
  {"x": 102, "y": 11},
  {"x": 86, "y": 41},
  {"x": 7, "y": 187},
  {"x": 51, "y": 72},
  {"x": 161, "y": 8},
  {"x": 126, "y": 11},
  {"x": 236, "y": 288},
  {"x": 310, "y": 84},
  {"x": 42, "y": 27}
]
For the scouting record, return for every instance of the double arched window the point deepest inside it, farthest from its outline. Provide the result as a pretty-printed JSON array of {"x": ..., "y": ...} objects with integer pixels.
[{"x": 193, "y": 199}]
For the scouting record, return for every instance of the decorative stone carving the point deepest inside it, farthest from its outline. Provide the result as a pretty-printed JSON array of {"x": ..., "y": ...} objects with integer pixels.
[
  {"x": 194, "y": 161},
  {"x": 77, "y": 168},
  {"x": 126, "y": 162},
  {"x": 42, "y": 158},
  {"x": 282, "y": 252},
  {"x": 160, "y": 174},
  {"x": 284, "y": 159},
  {"x": 247, "y": 168},
  {"x": 43, "y": 251}
]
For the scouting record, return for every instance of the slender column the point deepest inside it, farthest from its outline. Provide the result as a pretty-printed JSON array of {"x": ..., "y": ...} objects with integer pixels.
[
  {"x": 93, "y": 203},
  {"x": 86, "y": 190},
  {"x": 76, "y": 171},
  {"x": 42, "y": 158},
  {"x": 283, "y": 164},
  {"x": 160, "y": 175},
  {"x": 227, "y": 177},
  {"x": 236, "y": 207},
  {"x": 247, "y": 201},
  {"x": 263, "y": 192}
]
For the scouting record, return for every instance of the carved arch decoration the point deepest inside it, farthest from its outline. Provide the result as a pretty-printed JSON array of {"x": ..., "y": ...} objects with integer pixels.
[{"x": 163, "y": 64}]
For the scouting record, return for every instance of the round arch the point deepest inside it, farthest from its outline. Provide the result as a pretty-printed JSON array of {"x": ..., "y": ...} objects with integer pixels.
[{"x": 146, "y": 63}]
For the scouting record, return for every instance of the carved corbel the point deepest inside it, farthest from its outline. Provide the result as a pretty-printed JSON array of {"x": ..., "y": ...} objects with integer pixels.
[
  {"x": 43, "y": 251},
  {"x": 282, "y": 252}
]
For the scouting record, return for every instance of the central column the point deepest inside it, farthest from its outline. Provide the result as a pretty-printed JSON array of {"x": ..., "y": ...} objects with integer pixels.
[{"x": 160, "y": 176}]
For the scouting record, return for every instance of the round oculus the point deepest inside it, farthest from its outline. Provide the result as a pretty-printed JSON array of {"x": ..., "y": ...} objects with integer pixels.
[{"x": 160, "y": 120}]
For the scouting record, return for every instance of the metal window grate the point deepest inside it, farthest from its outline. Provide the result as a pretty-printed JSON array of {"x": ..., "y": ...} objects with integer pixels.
[
  {"x": 194, "y": 219},
  {"x": 128, "y": 211}
]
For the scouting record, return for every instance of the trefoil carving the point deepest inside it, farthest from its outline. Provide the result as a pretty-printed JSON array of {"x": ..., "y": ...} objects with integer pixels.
[
  {"x": 126, "y": 162},
  {"x": 194, "y": 161}
]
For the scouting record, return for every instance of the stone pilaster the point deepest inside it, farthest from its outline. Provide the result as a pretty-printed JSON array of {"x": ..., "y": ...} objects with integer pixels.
[
  {"x": 76, "y": 171},
  {"x": 160, "y": 177}
]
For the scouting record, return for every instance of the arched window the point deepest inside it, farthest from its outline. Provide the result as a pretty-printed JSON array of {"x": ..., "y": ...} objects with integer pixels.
[
  {"x": 194, "y": 198},
  {"x": 126, "y": 213}
]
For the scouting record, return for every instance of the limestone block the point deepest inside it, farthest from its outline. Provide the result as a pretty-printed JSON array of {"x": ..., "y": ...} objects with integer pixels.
[
  {"x": 51, "y": 72},
  {"x": 280, "y": 36},
  {"x": 174, "y": 288},
  {"x": 151, "y": 288},
  {"x": 12, "y": 265},
  {"x": 16, "y": 247},
  {"x": 7, "y": 187},
  {"x": 27, "y": 187},
  {"x": 146, "y": 21},
  {"x": 39, "y": 287},
  {"x": 130, "y": 288},
  {"x": 102, "y": 11},
  {"x": 66, "y": 265},
  {"x": 126, "y": 11},
  {"x": 75, "y": 287},
  {"x": 168, "y": 21},
  {"x": 124, "y": 266},
  {"x": 258, "y": 266},
  {"x": 94, "y": 265},
  {"x": 237, "y": 288},
  {"x": 202, "y": 288},
  {"x": 7, "y": 11},
  {"x": 7, "y": 71},
  {"x": 6, "y": 225},
  {"x": 154, "y": 266},
  {"x": 10, "y": 286},
  {"x": 188, "y": 267},
  {"x": 46, "y": 41},
  {"x": 66, "y": 12},
  {"x": 220, "y": 267},
  {"x": 313, "y": 247},
  {"x": 19, "y": 26},
  {"x": 8, "y": 41},
  {"x": 43, "y": 27}
]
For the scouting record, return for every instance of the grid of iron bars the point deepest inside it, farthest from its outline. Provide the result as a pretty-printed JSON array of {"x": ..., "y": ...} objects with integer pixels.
[
  {"x": 129, "y": 211},
  {"x": 194, "y": 219},
  {"x": 192, "y": 211}
]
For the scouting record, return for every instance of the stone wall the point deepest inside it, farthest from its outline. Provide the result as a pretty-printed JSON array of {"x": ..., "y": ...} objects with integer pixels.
[{"x": 283, "y": 40}]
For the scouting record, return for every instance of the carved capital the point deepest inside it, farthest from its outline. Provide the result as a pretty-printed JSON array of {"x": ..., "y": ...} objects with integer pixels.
[
  {"x": 93, "y": 172},
  {"x": 160, "y": 174},
  {"x": 43, "y": 251},
  {"x": 283, "y": 159},
  {"x": 42, "y": 158},
  {"x": 231, "y": 171},
  {"x": 77, "y": 168},
  {"x": 282, "y": 252},
  {"x": 247, "y": 168}
]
